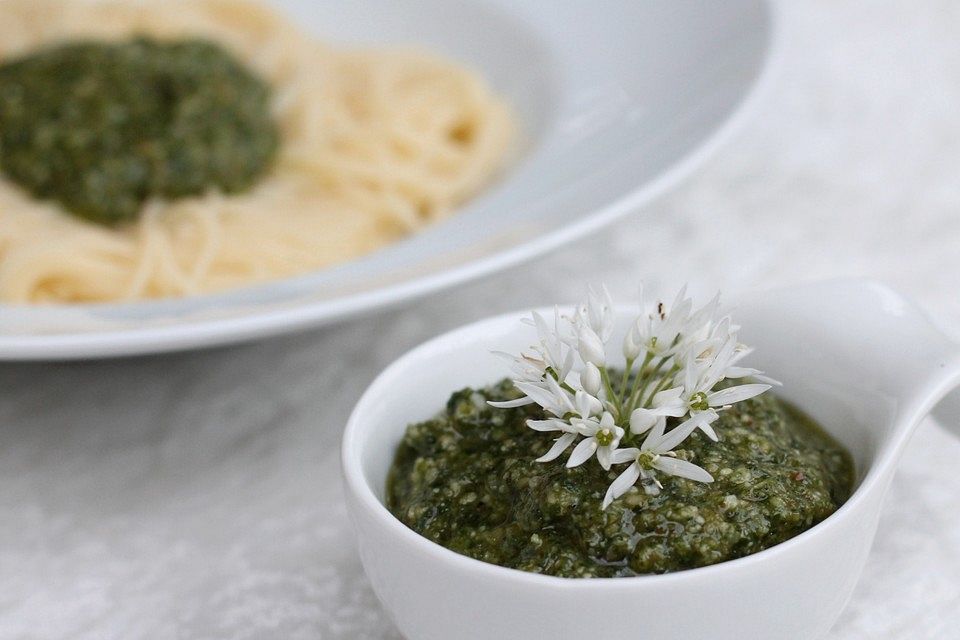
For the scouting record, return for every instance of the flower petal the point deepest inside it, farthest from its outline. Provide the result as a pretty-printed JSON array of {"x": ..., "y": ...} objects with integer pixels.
[
  {"x": 709, "y": 431},
  {"x": 550, "y": 424},
  {"x": 717, "y": 369},
  {"x": 679, "y": 433},
  {"x": 586, "y": 427},
  {"x": 606, "y": 330},
  {"x": 691, "y": 375},
  {"x": 604, "y": 455},
  {"x": 642, "y": 420},
  {"x": 732, "y": 395},
  {"x": 741, "y": 372},
  {"x": 590, "y": 347},
  {"x": 624, "y": 455},
  {"x": 567, "y": 365},
  {"x": 773, "y": 382},
  {"x": 564, "y": 397},
  {"x": 590, "y": 379},
  {"x": 553, "y": 399},
  {"x": 541, "y": 396},
  {"x": 511, "y": 404},
  {"x": 631, "y": 343},
  {"x": 587, "y": 405},
  {"x": 582, "y": 452},
  {"x": 755, "y": 374},
  {"x": 668, "y": 398},
  {"x": 543, "y": 330},
  {"x": 704, "y": 315},
  {"x": 682, "y": 469},
  {"x": 558, "y": 447},
  {"x": 655, "y": 435},
  {"x": 599, "y": 310},
  {"x": 622, "y": 484}
]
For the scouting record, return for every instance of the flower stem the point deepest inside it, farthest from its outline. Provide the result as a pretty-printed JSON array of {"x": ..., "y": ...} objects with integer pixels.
[
  {"x": 626, "y": 375},
  {"x": 637, "y": 392},
  {"x": 615, "y": 397},
  {"x": 663, "y": 384},
  {"x": 563, "y": 385},
  {"x": 637, "y": 379}
]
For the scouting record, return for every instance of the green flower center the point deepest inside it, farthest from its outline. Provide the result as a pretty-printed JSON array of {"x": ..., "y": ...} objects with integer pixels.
[
  {"x": 604, "y": 437},
  {"x": 645, "y": 459},
  {"x": 699, "y": 402}
]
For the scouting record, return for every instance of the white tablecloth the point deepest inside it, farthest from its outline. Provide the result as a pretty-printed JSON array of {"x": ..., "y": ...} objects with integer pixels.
[{"x": 198, "y": 495}]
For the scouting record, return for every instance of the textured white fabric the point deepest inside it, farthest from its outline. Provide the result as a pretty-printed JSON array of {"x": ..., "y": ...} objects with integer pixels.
[{"x": 197, "y": 496}]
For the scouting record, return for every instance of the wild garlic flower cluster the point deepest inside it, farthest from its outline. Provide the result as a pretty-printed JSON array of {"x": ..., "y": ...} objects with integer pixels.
[{"x": 673, "y": 359}]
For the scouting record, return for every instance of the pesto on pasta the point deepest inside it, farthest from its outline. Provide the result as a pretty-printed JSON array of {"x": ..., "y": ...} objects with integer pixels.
[{"x": 339, "y": 153}]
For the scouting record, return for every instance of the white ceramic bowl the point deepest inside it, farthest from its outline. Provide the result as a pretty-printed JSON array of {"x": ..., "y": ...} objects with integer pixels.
[
  {"x": 617, "y": 101},
  {"x": 855, "y": 355}
]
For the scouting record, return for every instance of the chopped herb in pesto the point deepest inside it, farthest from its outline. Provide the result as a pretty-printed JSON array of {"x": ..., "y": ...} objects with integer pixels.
[
  {"x": 101, "y": 127},
  {"x": 466, "y": 480}
]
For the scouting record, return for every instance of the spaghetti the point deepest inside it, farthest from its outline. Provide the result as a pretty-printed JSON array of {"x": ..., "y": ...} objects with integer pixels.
[{"x": 375, "y": 145}]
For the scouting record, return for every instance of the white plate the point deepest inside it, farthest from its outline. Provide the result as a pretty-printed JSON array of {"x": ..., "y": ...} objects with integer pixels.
[{"x": 618, "y": 100}]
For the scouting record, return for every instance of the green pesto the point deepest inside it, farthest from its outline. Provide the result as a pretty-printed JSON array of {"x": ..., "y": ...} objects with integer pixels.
[
  {"x": 101, "y": 127},
  {"x": 467, "y": 480}
]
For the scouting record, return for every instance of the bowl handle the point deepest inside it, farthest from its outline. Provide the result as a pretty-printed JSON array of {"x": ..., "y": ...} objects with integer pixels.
[
  {"x": 875, "y": 329},
  {"x": 947, "y": 411}
]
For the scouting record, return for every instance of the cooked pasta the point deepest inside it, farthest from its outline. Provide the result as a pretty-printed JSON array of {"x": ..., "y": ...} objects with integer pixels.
[{"x": 375, "y": 144}]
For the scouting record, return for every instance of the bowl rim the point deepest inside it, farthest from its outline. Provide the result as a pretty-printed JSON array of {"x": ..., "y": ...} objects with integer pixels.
[{"x": 871, "y": 480}]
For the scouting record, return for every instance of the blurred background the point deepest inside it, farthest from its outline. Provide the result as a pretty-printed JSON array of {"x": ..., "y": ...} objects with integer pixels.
[{"x": 198, "y": 495}]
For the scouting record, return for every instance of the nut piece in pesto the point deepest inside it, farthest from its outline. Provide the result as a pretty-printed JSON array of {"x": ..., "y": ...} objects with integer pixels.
[
  {"x": 679, "y": 459},
  {"x": 100, "y": 127}
]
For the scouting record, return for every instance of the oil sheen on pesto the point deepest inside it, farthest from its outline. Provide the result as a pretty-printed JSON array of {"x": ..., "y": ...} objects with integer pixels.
[
  {"x": 101, "y": 127},
  {"x": 467, "y": 481}
]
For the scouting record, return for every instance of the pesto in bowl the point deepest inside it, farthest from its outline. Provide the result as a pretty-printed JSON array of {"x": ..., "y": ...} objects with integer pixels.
[
  {"x": 101, "y": 127},
  {"x": 467, "y": 481}
]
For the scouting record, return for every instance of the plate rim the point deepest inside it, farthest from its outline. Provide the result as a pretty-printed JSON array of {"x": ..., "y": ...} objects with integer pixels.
[{"x": 208, "y": 333}]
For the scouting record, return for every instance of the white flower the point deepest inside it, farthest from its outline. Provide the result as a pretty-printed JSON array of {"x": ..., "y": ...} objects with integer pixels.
[
  {"x": 521, "y": 376},
  {"x": 667, "y": 332},
  {"x": 555, "y": 353},
  {"x": 511, "y": 404},
  {"x": 632, "y": 345},
  {"x": 525, "y": 366},
  {"x": 559, "y": 446},
  {"x": 686, "y": 354},
  {"x": 586, "y": 406},
  {"x": 597, "y": 313},
  {"x": 666, "y": 403},
  {"x": 590, "y": 379},
  {"x": 549, "y": 395},
  {"x": 701, "y": 323},
  {"x": 658, "y": 332},
  {"x": 736, "y": 373},
  {"x": 707, "y": 361},
  {"x": 656, "y": 454},
  {"x": 699, "y": 380},
  {"x": 590, "y": 347},
  {"x": 602, "y": 437},
  {"x": 677, "y": 402}
]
